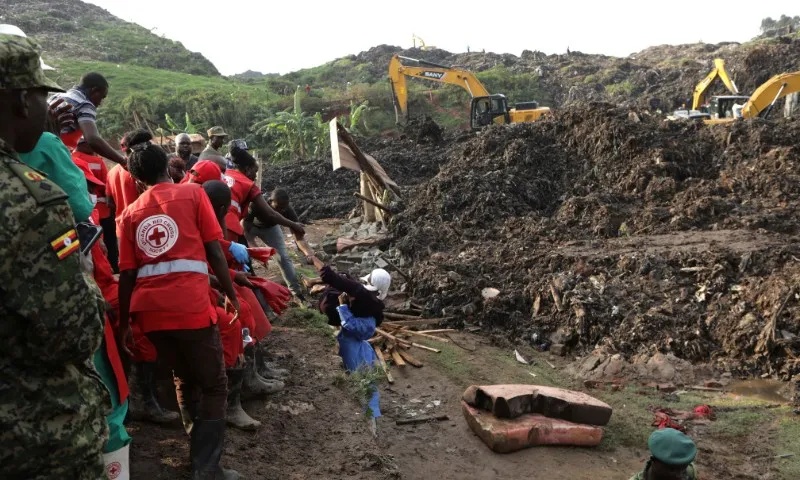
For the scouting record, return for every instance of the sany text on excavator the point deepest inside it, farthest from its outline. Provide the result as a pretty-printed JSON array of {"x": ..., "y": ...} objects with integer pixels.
[{"x": 485, "y": 108}]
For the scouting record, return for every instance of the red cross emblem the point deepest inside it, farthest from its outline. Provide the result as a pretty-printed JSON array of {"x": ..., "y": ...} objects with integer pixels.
[
  {"x": 157, "y": 237},
  {"x": 113, "y": 470}
]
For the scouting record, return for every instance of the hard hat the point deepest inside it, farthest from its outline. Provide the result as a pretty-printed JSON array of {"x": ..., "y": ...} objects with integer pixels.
[
  {"x": 378, "y": 281},
  {"x": 6, "y": 29}
]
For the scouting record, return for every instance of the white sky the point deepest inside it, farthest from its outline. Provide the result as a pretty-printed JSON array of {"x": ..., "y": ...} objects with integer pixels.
[{"x": 280, "y": 36}]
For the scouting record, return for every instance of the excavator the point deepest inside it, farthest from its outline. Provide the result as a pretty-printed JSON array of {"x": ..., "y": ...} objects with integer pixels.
[
  {"x": 422, "y": 46},
  {"x": 718, "y": 72},
  {"x": 759, "y": 104},
  {"x": 485, "y": 108},
  {"x": 699, "y": 110}
]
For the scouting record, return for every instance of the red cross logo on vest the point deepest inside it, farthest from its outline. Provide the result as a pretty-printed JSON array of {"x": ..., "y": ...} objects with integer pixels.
[
  {"x": 113, "y": 470},
  {"x": 156, "y": 235}
]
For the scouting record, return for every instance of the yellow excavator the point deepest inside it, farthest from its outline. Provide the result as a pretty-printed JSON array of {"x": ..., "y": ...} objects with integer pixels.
[
  {"x": 699, "y": 110},
  {"x": 759, "y": 104},
  {"x": 718, "y": 72},
  {"x": 485, "y": 108}
]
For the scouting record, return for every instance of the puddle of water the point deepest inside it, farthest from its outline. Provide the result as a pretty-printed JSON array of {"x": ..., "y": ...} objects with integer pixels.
[{"x": 767, "y": 390}]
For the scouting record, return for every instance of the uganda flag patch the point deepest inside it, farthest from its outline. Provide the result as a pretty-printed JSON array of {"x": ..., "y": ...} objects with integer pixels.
[{"x": 65, "y": 244}]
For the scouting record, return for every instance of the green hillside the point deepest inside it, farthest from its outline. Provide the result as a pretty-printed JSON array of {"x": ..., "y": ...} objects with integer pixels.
[
  {"x": 143, "y": 95},
  {"x": 78, "y": 30}
]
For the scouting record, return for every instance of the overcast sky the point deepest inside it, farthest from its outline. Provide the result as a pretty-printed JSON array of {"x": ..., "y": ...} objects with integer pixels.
[{"x": 283, "y": 36}]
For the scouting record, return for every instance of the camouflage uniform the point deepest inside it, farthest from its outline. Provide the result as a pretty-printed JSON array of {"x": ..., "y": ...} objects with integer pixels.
[{"x": 52, "y": 401}]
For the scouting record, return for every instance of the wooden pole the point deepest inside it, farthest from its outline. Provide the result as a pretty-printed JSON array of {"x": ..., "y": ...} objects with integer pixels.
[
  {"x": 369, "y": 210},
  {"x": 373, "y": 202},
  {"x": 383, "y": 363}
]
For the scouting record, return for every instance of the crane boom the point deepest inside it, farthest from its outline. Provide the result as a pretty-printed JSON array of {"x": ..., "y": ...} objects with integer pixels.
[
  {"x": 402, "y": 67},
  {"x": 718, "y": 72}
]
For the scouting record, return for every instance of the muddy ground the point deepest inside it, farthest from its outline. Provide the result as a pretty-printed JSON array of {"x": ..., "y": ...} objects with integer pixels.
[{"x": 314, "y": 429}]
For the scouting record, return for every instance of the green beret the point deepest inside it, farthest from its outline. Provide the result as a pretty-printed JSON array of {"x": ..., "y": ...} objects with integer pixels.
[
  {"x": 672, "y": 447},
  {"x": 20, "y": 65}
]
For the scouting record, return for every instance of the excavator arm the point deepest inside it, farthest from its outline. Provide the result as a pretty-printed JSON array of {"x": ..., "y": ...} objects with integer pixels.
[
  {"x": 702, "y": 87},
  {"x": 770, "y": 92},
  {"x": 402, "y": 67}
]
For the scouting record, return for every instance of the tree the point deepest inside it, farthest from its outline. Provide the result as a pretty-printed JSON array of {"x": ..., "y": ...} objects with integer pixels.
[{"x": 294, "y": 135}]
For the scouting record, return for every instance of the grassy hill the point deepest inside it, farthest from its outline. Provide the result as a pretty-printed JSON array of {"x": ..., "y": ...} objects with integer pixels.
[{"x": 77, "y": 30}]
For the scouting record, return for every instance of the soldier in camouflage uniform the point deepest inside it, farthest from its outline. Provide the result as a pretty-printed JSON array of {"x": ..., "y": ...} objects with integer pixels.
[{"x": 52, "y": 401}]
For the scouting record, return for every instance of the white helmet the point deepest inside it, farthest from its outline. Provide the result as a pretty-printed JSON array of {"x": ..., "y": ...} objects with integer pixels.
[
  {"x": 378, "y": 281},
  {"x": 6, "y": 29}
]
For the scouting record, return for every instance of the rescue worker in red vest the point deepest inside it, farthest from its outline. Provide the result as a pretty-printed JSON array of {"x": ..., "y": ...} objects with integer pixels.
[
  {"x": 98, "y": 167},
  {"x": 232, "y": 333},
  {"x": 253, "y": 383},
  {"x": 168, "y": 237},
  {"x": 121, "y": 191}
]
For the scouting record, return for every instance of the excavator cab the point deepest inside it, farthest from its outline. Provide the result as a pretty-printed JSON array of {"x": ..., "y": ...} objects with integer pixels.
[
  {"x": 721, "y": 106},
  {"x": 488, "y": 110}
]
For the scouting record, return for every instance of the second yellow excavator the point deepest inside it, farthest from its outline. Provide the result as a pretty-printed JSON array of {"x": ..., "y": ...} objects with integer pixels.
[
  {"x": 718, "y": 72},
  {"x": 759, "y": 104},
  {"x": 485, "y": 108}
]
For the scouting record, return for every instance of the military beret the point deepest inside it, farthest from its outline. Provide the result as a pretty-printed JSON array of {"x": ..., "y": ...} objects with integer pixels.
[
  {"x": 20, "y": 66},
  {"x": 672, "y": 447}
]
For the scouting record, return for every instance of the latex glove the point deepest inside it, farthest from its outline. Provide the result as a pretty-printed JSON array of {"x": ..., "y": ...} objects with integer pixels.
[
  {"x": 277, "y": 296},
  {"x": 239, "y": 252},
  {"x": 261, "y": 254}
]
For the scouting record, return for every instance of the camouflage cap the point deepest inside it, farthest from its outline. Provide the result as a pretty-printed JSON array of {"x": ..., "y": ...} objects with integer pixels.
[
  {"x": 20, "y": 66},
  {"x": 216, "y": 132}
]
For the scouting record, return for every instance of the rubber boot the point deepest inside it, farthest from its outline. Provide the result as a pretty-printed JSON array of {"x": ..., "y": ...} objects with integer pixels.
[
  {"x": 144, "y": 405},
  {"x": 235, "y": 416},
  {"x": 253, "y": 383},
  {"x": 118, "y": 464},
  {"x": 187, "y": 419},
  {"x": 205, "y": 451},
  {"x": 266, "y": 369}
]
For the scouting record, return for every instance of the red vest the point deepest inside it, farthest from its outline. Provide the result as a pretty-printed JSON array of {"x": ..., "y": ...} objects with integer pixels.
[
  {"x": 162, "y": 236},
  {"x": 99, "y": 169},
  {"x": 241, "y": 192},
  {"x": 121, "y": 188}
]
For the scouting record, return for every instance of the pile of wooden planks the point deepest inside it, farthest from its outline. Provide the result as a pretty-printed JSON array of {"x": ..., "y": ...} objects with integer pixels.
[{"x": 398, "y": 334}]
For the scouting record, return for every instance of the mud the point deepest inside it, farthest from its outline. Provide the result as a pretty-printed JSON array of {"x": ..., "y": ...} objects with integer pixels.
[
  {"x": 313, "y": 185},
  {"x": 606, "y": 228}
]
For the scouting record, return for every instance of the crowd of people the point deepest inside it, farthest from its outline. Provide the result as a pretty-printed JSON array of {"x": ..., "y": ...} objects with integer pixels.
[{"x": 109, "y": 275}]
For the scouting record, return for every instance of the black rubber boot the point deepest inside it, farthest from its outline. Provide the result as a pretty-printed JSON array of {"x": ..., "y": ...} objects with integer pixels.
[
  {"x": 253, "y": 384},
  {"x": 143, "y": 402},
  {"x": 235, "y": 416},
  {"x": 266, "y": 369},
  {"x": 205, "y": 451}
]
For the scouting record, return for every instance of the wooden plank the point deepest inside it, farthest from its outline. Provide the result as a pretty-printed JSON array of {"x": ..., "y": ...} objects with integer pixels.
[
  {"x": 424, "y": 335},
  {"x": 426, "y": 348},
  {"x": 397, "y": 358},
  {"x": 373, "y": 202},
  {"x": 417, "y": 420},
  {"x": 416, "y": 323},
  {"x": 390, "y": 336},
  {"x": 441, "y": 330},
  {"x": 409, "y": 359},
  {"x": 400, "y": 316},
  {"x": 378, "y": 354}
]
